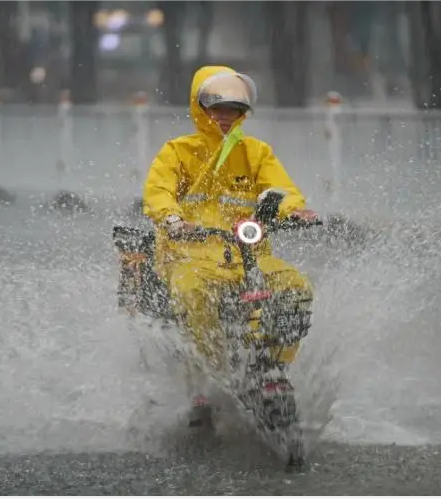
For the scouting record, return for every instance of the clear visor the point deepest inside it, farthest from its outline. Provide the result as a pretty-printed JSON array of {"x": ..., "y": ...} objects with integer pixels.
[{"x": 235, "y": 90}]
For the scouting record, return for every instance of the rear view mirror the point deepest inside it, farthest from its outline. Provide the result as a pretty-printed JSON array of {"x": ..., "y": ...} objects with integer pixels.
[{"x": 268, "y": 205}]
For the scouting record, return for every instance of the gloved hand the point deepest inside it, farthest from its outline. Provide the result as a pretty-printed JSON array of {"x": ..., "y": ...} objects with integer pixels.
[{"x": 305, "y": 215}]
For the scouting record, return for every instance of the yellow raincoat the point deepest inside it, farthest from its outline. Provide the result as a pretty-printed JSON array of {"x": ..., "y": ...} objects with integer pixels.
[{"x": 183, "y": 181}]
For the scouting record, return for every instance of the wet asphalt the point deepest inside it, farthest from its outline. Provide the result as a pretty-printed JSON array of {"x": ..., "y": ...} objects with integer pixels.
[{"x": 213, "y": 467}]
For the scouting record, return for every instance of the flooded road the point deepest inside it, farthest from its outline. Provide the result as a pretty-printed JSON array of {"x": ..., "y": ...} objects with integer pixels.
[{"x": 81, "y": 414}]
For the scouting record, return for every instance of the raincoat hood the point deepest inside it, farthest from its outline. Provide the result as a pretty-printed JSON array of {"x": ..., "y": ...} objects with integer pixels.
[{"x": 202, "y": 122}]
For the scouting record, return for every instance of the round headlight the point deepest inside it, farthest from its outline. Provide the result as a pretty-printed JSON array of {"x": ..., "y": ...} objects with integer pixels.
[{"x": 249, "y": 232}]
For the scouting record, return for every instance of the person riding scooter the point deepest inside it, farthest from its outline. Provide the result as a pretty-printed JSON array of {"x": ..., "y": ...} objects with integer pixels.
[{"x": 213, "y": 178}]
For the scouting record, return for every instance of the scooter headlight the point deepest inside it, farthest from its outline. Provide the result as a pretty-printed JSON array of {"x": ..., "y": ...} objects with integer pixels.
[{"x": 249, "y": 232}]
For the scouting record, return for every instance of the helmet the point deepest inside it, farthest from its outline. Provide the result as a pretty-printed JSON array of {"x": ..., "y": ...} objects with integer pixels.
[{"x": 235, "y": 91}]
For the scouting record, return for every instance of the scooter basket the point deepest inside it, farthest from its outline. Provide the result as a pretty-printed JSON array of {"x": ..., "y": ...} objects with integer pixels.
[
  {"x": 139, "y": 285},
  {"x": 286, "y": 317}
]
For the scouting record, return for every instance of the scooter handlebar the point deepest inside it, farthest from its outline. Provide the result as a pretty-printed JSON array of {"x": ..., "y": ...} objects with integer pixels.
[{"x": 200, "y": 234}]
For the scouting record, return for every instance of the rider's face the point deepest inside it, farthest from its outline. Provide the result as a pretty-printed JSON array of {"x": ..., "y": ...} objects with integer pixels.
[{"x": 224, "y": 116}]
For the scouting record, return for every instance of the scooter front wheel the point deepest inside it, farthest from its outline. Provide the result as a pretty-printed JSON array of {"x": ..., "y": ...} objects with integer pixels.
[
  {"x": 277, "y": 415},
  {"x": 296, "y": 458}
]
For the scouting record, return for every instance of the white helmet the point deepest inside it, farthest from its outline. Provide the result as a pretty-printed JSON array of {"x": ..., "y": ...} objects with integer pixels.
[{"x": 230, "y": 90}]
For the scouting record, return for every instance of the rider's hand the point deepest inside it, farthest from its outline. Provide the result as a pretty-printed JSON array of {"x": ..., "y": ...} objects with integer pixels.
[
  {"x": 305, "y": 215},
  {"x": 179, "y": 228}
]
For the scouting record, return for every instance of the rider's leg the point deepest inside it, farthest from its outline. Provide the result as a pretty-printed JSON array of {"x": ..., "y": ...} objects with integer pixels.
[
  {"x": 195, "y": 291},
  {"x": 195, "y": 298}
]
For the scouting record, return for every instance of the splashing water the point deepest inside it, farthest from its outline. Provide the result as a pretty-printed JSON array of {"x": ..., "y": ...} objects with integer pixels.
[
  {"x": 374, "y": 343},
  {"x": 71, "y": 367}
]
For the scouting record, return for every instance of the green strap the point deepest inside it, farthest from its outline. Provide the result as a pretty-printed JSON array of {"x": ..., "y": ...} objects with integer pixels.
[{"x": 233, "y": 138}]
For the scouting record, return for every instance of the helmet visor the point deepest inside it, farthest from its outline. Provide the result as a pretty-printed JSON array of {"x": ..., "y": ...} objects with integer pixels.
[{"x": 228, "y": 90}]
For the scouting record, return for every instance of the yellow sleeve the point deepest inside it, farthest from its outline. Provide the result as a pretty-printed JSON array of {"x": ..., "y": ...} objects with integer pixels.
[
  {"x": 272, "y": 174},
  {"x": 161, "y": 185}
]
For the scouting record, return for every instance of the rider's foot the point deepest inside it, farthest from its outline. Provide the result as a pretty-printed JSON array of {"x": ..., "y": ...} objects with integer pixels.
[{"x": 200, "y": 411}]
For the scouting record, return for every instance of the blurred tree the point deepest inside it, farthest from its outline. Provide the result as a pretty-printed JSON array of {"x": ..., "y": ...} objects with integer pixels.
[
  {"x": 84, "y": 38},
  {"x": 205, "y": 25},
  {"x": 338, "y": 17},
  {"x": 432, "y": 28},
  {"x": 171, "y": 74},
  {"x": 424, "y": 20},
  {"x": 10, "y": 61},
  {"x": 390, "y": 53},
  {"x": 427, "y": 82},
  {"x": 57, "y": 9},
  {"x": 289, "y": 51},
  {"x": 340, "y": 24}
]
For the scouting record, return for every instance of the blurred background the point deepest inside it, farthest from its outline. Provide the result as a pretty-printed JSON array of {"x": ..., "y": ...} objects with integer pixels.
[
  {"x": 127, "y": 68},
  {"x": 105, "y": 51}
]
